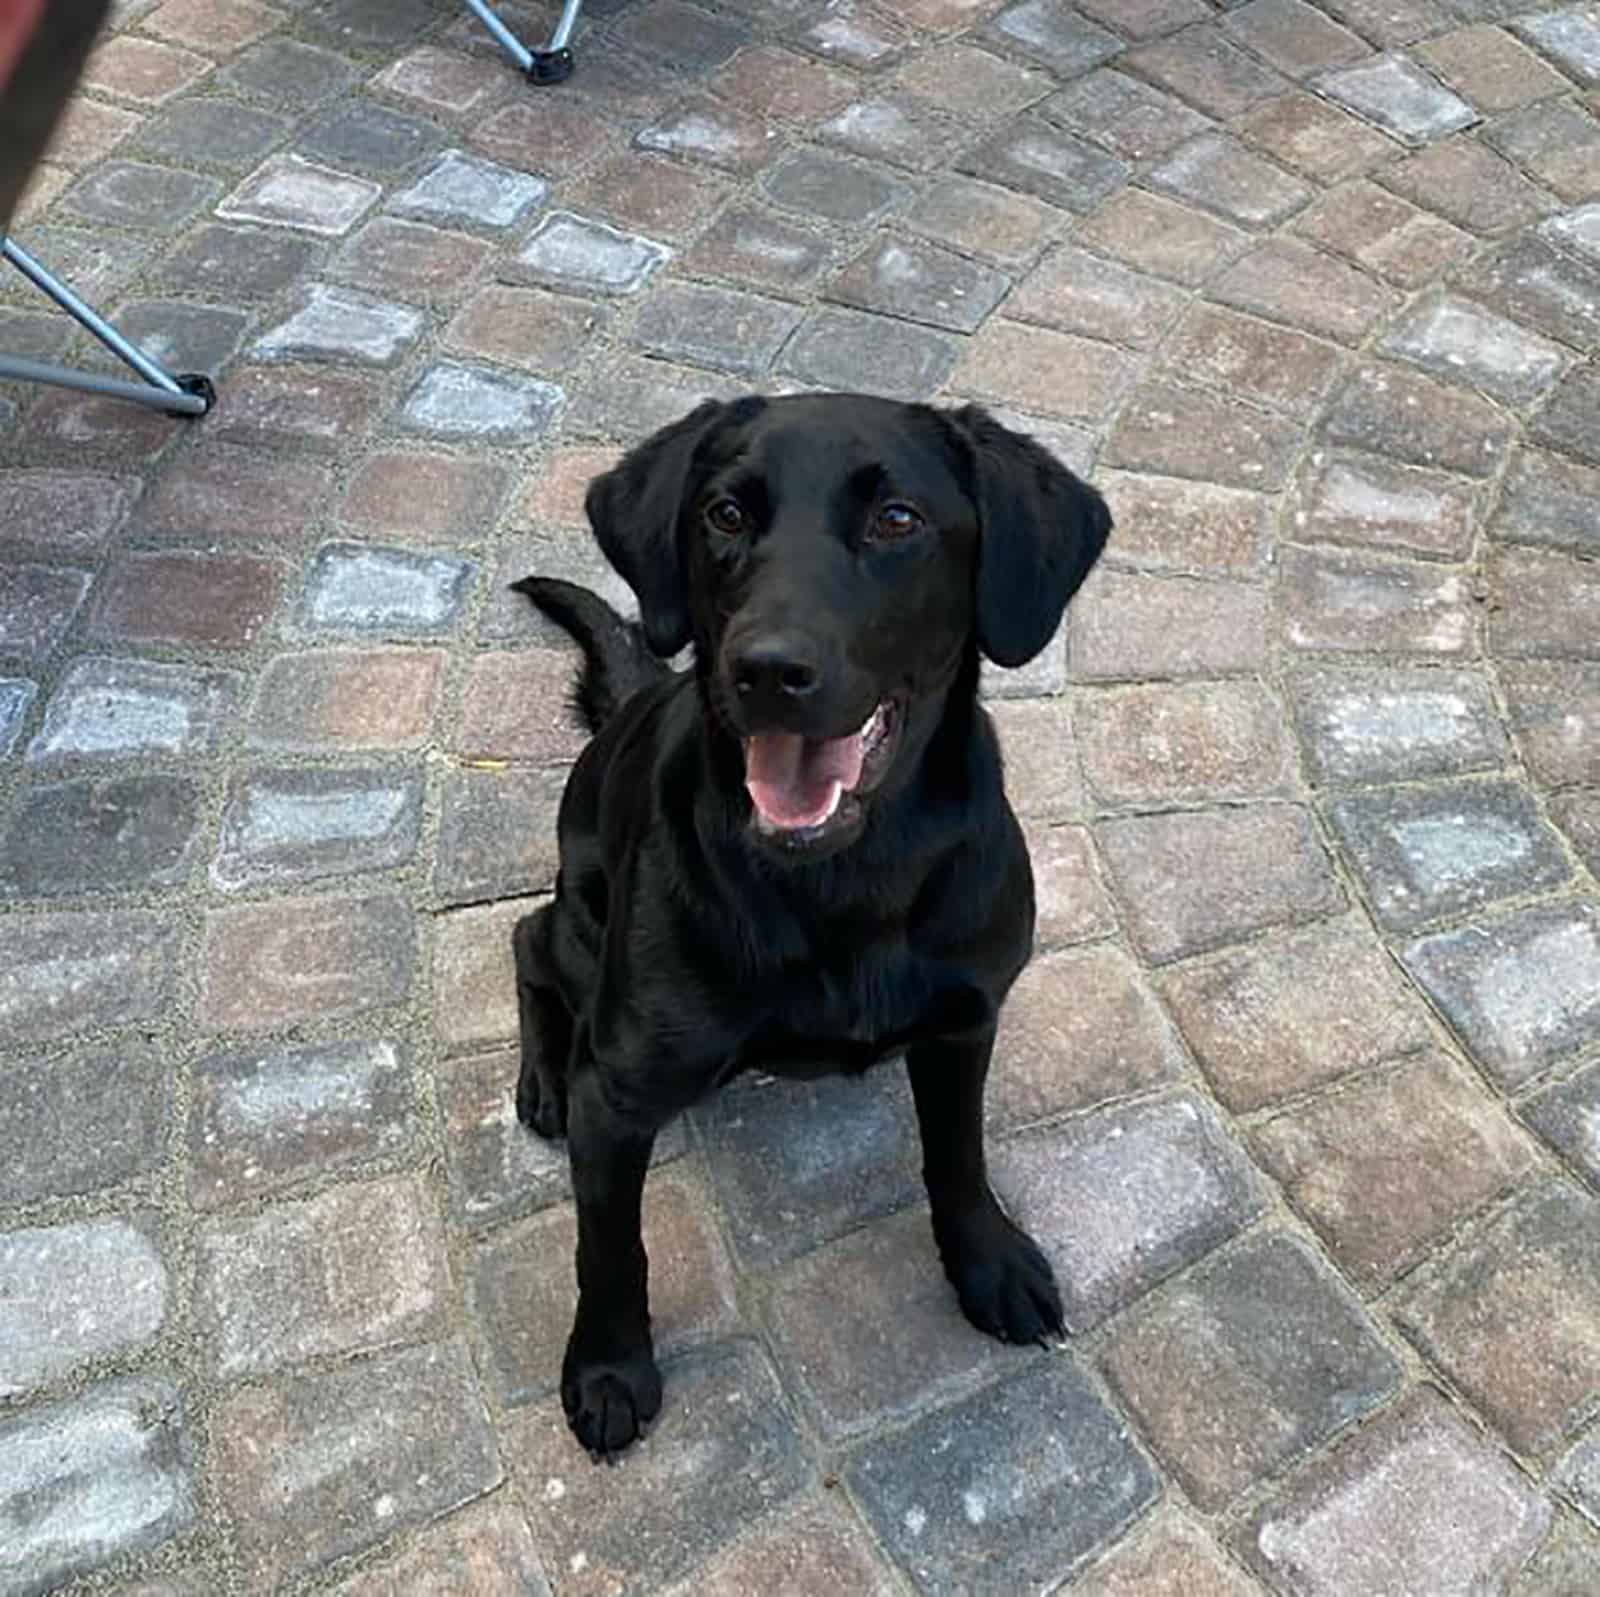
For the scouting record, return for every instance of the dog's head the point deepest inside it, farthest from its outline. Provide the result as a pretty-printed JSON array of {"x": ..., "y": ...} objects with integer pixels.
[{"x": 833, "y": 558}]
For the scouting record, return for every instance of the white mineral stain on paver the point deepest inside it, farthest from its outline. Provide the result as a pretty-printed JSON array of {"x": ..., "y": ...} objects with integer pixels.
[
  {"x": 277, "y": 819},
  {"x": 272, "y": 1097},
  {"x": 1446, "y": 850},
  {"x": 1349, "y": 494},
  {"x": 1431, "y": 720},
  {"x": 1532, "y": 992},
  {"x": 915, "y": 1520}
]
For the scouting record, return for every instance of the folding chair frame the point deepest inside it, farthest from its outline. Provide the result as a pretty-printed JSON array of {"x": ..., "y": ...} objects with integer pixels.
[
  {"x": 188, "y": 395},
  {"x": 552, "y": 64}
]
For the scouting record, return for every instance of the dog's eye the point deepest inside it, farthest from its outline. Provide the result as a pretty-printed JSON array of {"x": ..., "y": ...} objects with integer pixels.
[
  {"x": 897, "y": 521},
  {"x": 726, "y": 517}
]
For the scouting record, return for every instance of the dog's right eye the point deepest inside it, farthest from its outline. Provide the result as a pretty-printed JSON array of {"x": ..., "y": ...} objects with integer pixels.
[{"x": 726, "y": 517}]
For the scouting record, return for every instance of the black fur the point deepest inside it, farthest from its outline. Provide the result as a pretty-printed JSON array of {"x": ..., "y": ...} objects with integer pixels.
[{"x": 871, "y": 550}]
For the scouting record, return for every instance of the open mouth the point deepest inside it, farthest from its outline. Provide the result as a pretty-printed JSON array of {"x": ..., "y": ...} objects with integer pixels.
[{"x": 804, "y": 788}]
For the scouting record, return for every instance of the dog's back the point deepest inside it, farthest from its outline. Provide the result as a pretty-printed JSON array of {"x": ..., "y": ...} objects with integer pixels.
[{"x": 617, "y": 661}]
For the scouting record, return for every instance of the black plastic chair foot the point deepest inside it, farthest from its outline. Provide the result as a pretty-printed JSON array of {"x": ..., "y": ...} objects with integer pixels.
[
  {"x": 199, "y": 384},
  {"x": 550, "y": 66}
]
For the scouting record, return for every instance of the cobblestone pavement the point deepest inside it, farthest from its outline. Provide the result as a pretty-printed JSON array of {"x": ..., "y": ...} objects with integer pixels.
[{"x": 1302, "y": 1091}]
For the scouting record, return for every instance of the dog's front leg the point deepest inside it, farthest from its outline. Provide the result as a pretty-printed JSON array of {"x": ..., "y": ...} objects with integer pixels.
[
  {"x": 1003, "y": 1281},
  {"x": 610, "y": 1386}
]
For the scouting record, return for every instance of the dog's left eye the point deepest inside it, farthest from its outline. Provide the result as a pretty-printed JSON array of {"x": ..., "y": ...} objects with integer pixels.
[
  {"x": 726, "y": 517},
  {"x": 897, "y": 521}
]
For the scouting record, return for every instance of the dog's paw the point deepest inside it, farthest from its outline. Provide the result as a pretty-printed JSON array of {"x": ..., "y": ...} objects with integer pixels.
[
  {"x": 610, "y": 1402},
  {"x": 541, "y": 1111},
  {"x": 1004, "y": 1282}
]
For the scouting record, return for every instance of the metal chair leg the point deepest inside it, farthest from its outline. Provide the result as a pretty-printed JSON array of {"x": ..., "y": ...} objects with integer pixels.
[
  {"x": 554, "y": 62},
  {"x": 190, "y": 394}
]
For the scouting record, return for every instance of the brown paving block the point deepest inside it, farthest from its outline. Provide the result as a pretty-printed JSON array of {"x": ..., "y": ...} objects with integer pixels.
[
  {"x": 1200, "y": 879},
  {"x": 654, "y": 197},
  {"x": 1285, "y": 281},
  {"x": 1340, "y": 604},
  {"x": 474, "y": 979},
  {"x": 814, "y": 1549},
  {"x": 1072, "y": 903},
  {"x": 272, "y": 964},
  {"x": 1388, "y": 1166},
  {"x": 1247, "y": 1365},
  {"x": 1078, "y": 1028},
  {"x": 142, "y": 70},
  {"x": 1544, "y": 605},
  {"x": 523, "y": 1292},
  {"x": 1555, "y": 714},
  {"x": 1180, "y": 525},
  {"x": 1490, "y": 68},
  {"x": 1294, "y": 37},
  {"x": 362, "y": 1266},
  {"x": 408, "y": 261},
  {"x": 781, "y": 83},
  {"x": 405, "y": 496},
  {"x": 1419, "y": 1501},
  {"x": 969, "y": 82},
  {"x": 1078, "y": 293},
  {"x": 1039, "y": 370},
  {"x": 871, "y": 1329},
  {"x": 1203, "y": 66},
  {"x": 1126, "y": 625},
  {"x": 1160, "y": 236},
  {"x": 346, "y": 699},
  {"x": 723, "y": 1453},
  {"x": 1313, "y": 138},
  {"x": 310, "y": 1468},
  {"x": 1170, "y": 744},
  {"x": 515, "y": 706},
  {"x": 1253, "y": 359},
  {"x": 1182, "y": 432},
  {"x": 1468, "y": 185},
  {"x": 1512, "y": 1315},
  {"x": 210, "y": 601},
  {"x": 484, "y": 1550},
  {"x": 213, "y": 29},
  {"x": 1167, "y": 1556},
  {"x": 226, "y": 494},
  {"x": 1041, "y": 759}
]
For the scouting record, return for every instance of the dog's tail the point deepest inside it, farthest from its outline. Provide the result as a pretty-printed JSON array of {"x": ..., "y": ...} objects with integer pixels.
[{"x": 617, "y": 661}]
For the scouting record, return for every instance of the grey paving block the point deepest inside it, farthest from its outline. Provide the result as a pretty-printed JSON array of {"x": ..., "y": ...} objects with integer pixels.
[
  {"x": 588, "y": 257},
  {"x": 37, "y": 604},
  {"x": 341, "y": 324},
  {"x": 1550, "y": 499},
  {"x": 182, "y": 335},
  {"x": 373, "y": 590},
  {"x": 98, "y": 1288},
  {"x": 242, "y": 263},
  {"x": 93, "y": 1479},
  {"x": 286, "y": 72},
  {"x": 101, "y": 834},
  {"x": 456, "y": 400},
  {"x": 1400, "y": 97},
  {"x": 1396, "y": 724},
  {"x": 105, "y": 707},
  {"x": 1014, "y": 1487},
  {"x": 718, "y": 327},
  {"x": 922, "y": 283},
  {"x": 1453, "y": 338},
  {"x": 459, "y": 188},
  {"x": 1570, "y": 37},
  {"x": 497, "y": 833},
  {"x": 1039, "y": 159},
  {"x": 71, "y": 972},
  {"x": 289, "y": 191},
  {"x": 852, "y": 352},
  {"x": 363, "y": 136},
  {"x": 1522, "y": 991},
  {"x": 1422, "y": 854},
  {"x": 1055, "y": 35},
  {"x": 210, "y": 132},
  {"x": 799, "y": 1163},
  {"x": 831, "y": 189},
  {"x": 289, "y": 824},
  {"x": 134, "y": 194},
  {"x": 265, "y": 1117}
]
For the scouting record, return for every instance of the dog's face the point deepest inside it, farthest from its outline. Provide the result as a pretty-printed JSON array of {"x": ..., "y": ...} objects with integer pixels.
[{"x": 833, "y": 558}]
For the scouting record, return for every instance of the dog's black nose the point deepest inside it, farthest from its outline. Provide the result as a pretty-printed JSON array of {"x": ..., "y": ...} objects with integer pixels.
[{"x": 778, "y": 665}]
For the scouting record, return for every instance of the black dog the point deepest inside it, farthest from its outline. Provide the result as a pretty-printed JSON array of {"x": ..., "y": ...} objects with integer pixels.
[{"x": 799, "y": 857}]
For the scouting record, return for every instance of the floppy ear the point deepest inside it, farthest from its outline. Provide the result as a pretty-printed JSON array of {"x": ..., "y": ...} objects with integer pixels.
[
  {"x": 1041, "y": 532},
  {"x": 634, "y": 511}
]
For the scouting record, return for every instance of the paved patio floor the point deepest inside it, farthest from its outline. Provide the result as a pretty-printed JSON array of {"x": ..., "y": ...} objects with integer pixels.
[{"x": 1302, "y": 1091}]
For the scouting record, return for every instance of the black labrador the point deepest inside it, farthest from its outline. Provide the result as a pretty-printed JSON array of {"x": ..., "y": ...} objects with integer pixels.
[{"x": 797, "y": 858}]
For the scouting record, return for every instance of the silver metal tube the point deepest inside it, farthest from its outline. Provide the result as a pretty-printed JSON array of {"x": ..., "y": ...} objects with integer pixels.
[{"x": 173, "y": 400}]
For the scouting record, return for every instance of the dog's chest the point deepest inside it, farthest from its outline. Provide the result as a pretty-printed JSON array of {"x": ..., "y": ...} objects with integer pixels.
[{"x": 847, "y": 1014}]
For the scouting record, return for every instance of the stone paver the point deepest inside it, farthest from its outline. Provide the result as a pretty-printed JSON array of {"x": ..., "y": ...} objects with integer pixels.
[{"x": 1307, "y": 1063}]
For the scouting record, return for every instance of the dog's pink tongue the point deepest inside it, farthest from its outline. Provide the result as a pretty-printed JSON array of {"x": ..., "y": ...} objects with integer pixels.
[{"x": 796, "y": 781}]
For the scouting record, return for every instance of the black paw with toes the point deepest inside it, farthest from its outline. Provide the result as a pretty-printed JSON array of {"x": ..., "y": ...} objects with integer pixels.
[
  {"x": 609, "y": 1402},
  {"x": 1004, "y": 1282}
]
